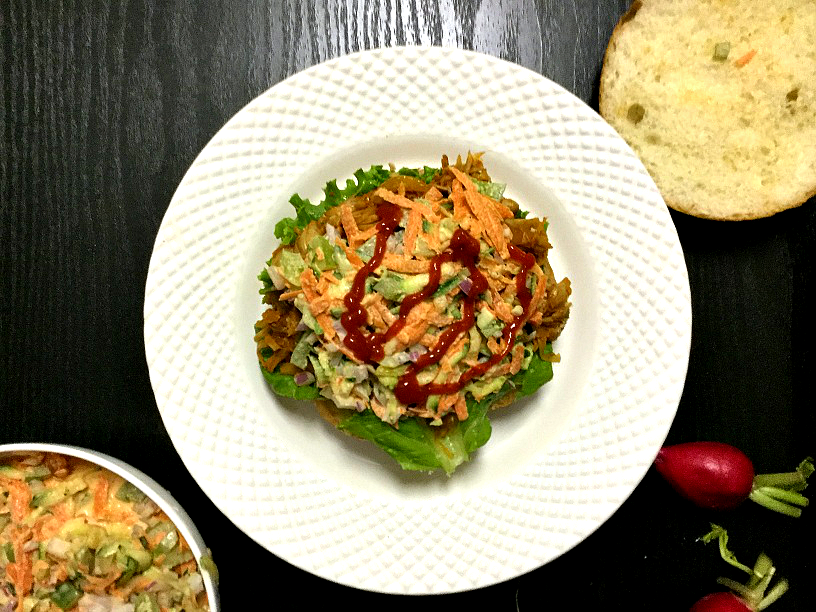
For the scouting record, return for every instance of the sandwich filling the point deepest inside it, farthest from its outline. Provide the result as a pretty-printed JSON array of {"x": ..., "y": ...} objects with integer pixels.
[{"x": 417, "y": 295}]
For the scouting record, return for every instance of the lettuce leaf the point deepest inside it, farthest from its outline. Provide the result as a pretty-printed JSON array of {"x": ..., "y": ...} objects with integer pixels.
[
  {"x": 426, "y": 174},
  {"x": 419, "y": 446},
  {"x": 539, "y": 372},
  {"x": 491, "y": 190},
  {"x": 305, "y": 211},
  {"x": 268, "y": 285},
  {"x": 285, "y": 385}
]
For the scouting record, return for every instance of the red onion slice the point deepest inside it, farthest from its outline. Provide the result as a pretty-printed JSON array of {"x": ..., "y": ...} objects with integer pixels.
[
  {"x": 304, "y": 378},
  {"x": 416, "y": 351}
]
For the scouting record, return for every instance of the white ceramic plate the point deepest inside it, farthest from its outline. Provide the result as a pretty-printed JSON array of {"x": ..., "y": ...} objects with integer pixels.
[{"x": 557, "y": 465}]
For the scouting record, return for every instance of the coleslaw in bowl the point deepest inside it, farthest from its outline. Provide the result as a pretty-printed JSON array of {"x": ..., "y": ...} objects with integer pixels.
[{"x": 80, "y": 530}]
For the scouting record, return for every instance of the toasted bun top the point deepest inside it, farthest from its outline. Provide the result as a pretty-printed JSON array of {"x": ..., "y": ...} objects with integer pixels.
[{"x": 718, "y": 99}]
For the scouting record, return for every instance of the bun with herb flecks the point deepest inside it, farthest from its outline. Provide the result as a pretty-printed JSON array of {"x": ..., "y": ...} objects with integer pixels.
[{"x": 718, "y": 99}]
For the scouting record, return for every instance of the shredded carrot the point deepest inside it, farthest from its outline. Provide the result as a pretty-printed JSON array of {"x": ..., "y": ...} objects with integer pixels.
[
  {"x": 375, "y": 303},
  {"x": 540, "y": 291},
  {"x": 502, "y": 309},
  {"x": 51, "y": 524},
  {"x": 61, "y": 572},
  {"x": 446, "y": 402},
  {"x": 502, "y": 210},
  {"x": 416, "y": 324},
  {"x": 433, "y": 195},
  {"x": 318, "y": 303},
  {"x": 364, "y": 235},
  {"x": 460, "y": 408},
  {"x": 739, "y": 63},
  {"x": 398, "y": 263},
  {"x": 474, "y": 226},
  {"x": 460, "y": 209},
  {"x": 484, "y": 210},
  {"x": 327, "y": 324},
  {"x": 454, "y": 349},
  {"x": 428, "y": 340},
  {"x": 432, "y": 237},
  {"x": 349, "y": 224},
  {"x": 518, "y": 357},
  {"x": 290, "y": 295},
  {"x": 496, "y": 346},
  {"x": 20, "y": 571},
  {"x": 19, "y": 498},
  {"x": 189, "y": 566},
  {"x": 101, "y": 489},
  {"x": 375, "y": 320},
  {"x": 352, "y": 256}
]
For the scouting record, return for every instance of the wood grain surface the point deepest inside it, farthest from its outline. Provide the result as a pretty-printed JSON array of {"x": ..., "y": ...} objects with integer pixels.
[{"x": 105, "y": 104}]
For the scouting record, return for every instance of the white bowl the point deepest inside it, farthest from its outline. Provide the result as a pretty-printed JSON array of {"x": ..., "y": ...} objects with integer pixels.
[{"x": 147, "y": 485}]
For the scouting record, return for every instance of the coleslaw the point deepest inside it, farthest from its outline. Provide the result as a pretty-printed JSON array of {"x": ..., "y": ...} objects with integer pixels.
[
  {"x": 76, "y": 536},
  {"x": 408, "y": 304}
]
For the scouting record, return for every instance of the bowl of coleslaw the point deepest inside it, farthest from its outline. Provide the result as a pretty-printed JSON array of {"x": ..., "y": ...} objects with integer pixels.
[{"x": 81, "y": 530}]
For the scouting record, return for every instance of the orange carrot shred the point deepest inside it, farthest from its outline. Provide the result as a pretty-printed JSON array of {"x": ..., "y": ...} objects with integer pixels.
[
  {"x": 460, "y": 408},
  {"x": 745, "y": 58},
  {"x": 100, "y": 500},
  {"x": 412, "y": 231}
]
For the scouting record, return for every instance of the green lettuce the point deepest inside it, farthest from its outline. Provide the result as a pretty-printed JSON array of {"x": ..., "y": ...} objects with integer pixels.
[
  {"x": 427, "y": 173},
  {"x": 285, "y": 385},
  {"x": 539, "y": 372},
  {"x": 268, "y": 285},
  {"x": 491, "y": 190},
  {"x": 419, "y": 446},
  {"x": 305, "y": 211},
  {"x": 416, "y": 445}
]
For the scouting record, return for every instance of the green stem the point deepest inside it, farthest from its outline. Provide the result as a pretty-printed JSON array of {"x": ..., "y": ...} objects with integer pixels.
[
  {"x": 739, "y": 589},
  {"x": 773, "y": 504},
  {"x": 729, "y": 557},
  {"x": 762, "y": 566},
  {"x": 791, "y": 497},
  {"x": 784, "y": 480},
  {"x": 759, "y": 588},
  {"x": 775, "y": 593},
  {"x": 752, "y": 592},
  {"x": 791, "y": 481}
]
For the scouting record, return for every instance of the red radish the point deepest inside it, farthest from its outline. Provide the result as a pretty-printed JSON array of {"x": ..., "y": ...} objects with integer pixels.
[
  {"x": 710, "y": 474},
  {"x": 720, "y": 476},
  {"x": 748, "y": 597},
  {"x": 720, "y": 602}
]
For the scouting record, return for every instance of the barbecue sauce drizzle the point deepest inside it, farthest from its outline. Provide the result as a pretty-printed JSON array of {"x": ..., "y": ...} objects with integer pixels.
[{"x": 464, "y": 249}]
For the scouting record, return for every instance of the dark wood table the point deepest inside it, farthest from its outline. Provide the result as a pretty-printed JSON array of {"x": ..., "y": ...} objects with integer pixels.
[{"x": 105, "y": 105}]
